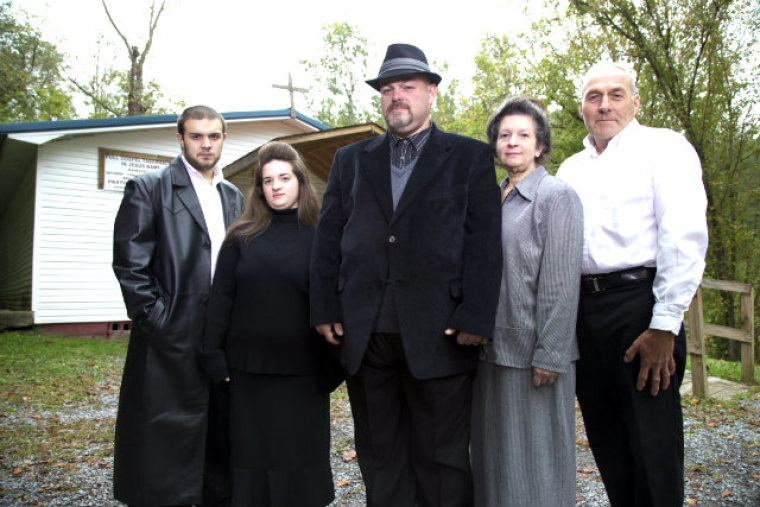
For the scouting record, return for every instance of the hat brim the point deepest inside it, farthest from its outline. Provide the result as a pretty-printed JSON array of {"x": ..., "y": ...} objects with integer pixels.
[{"x": 397, "y": 74}]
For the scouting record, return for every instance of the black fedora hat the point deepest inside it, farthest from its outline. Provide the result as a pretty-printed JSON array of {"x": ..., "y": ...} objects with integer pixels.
[{"x": 403, "y": 60}]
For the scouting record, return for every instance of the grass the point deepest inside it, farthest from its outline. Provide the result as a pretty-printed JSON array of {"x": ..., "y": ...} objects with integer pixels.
[
  {"x": 46, "y": 372},
  {"x": 40, "y": 377},
  {"x": 728, "y": 370}
]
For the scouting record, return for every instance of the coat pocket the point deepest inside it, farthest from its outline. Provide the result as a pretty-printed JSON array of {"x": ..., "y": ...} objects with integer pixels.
[{"x": 155, "y": 318}]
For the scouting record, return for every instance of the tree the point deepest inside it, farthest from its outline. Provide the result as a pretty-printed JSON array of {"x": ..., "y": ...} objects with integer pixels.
[
  {"x": 108, "y": 90},
  {"x": 31, "y": 73},
  {"x": 113, "y": 92},
  {"x": 339, "y": 74},
  {"x": 494, "y": 80}
]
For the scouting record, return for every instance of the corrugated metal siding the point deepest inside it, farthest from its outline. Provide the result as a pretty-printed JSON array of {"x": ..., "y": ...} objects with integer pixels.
[
  {"x": 318, "y": 184},
  {"x": 73, "y": 280},
  {"x": 16, "y": 229}
]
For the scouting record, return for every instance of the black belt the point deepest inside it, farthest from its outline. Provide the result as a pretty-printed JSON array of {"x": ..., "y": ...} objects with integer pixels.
[{"x": 591, "y": 284}]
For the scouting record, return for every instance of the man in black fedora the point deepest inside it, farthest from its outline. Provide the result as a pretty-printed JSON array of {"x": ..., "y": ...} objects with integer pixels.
[{"x": 405, "y": 279}]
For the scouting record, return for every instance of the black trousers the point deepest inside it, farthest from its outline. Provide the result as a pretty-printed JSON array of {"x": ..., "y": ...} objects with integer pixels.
[
  {"x": 636, "y": 438},
  {"x": 412, "y": 436}
]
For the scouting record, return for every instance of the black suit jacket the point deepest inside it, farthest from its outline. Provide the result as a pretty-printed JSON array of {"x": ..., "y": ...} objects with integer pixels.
[
  {"x": 440, "y": 249},
  {"x": 162, "y": 259}
]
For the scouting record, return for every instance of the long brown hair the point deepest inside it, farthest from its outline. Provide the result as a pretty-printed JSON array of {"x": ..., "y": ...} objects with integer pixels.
[{"x": 257, "y": 215}]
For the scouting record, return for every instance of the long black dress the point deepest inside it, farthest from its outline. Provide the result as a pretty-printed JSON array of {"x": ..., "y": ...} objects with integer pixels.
[{"x": 257, "y": 333}]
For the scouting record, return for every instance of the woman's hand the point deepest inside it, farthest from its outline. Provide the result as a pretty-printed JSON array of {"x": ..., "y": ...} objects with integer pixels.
[
  {"x": 543, "y": 377},
  {"x": 466, "y": 338}
]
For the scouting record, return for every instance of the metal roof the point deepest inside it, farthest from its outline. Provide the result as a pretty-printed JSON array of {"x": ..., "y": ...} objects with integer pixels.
[{"x": 142, "y": 121}]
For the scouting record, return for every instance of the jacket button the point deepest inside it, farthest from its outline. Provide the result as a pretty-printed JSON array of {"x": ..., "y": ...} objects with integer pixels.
[
  {"x": 391, "y": 239},
  {"x": 206, "y": 244}
]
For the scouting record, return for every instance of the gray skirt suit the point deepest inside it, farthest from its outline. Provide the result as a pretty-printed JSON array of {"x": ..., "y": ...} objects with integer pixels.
[{"x": 523, "y": 437}]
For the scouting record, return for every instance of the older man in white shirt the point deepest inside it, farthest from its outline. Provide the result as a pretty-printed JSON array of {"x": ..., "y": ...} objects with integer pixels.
[{"x": 645, "y": 238}]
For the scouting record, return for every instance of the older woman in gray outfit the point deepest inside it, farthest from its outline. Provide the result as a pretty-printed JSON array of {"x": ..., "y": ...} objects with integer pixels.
[{"x": 523, "y": 431}]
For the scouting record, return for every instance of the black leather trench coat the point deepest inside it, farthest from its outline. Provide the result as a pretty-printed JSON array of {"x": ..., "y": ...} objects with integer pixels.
[{"x": 161, "y": 257}]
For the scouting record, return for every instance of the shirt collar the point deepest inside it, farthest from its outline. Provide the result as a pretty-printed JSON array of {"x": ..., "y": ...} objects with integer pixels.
[
  {"x": 194, "y": 173},
  {"x": 528, "y": 186},
  {"x": 614, "y": 142},
  {"x": 417, "y": 140}
]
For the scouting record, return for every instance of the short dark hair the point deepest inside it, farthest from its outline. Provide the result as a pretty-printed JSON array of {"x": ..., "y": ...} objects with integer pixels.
[
  {"x": 524, "y": 106},
  {"x": 199, "y": 113}
]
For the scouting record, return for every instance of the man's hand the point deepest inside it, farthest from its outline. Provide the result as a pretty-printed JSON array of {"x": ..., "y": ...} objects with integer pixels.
[
  {"x": 333, "y": 332},
  {"x": 655, "y": 347},
  {"x": 466, "y": 338},
  {"x": 543, "y": 377}
]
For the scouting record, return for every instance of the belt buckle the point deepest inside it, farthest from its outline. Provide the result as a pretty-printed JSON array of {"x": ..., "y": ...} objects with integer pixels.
[{"x": 595, "y": 283}]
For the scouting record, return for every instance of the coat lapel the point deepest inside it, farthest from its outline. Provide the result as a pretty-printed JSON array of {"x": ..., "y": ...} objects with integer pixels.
[
  {"x": 433, "y": 155},
  {"x": 228, "y": 209},
  {"x": 186, "y": 193},
  {"x": 376, "y": 164}
]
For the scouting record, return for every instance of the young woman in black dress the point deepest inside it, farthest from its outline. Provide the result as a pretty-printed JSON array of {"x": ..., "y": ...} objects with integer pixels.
[{"x": 258, "y": 338}]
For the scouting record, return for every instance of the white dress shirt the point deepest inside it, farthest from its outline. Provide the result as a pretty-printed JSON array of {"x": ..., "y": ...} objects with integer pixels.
[
  {"x": 211, "y": 204},
  {"x": 644, "y": 205}
]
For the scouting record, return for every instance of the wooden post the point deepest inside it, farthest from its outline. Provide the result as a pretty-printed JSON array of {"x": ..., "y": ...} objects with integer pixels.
[
  {"x": 745, "y": 334},
  {"x": 696, "y": 347},
  {"x": 748, "y": 326}
]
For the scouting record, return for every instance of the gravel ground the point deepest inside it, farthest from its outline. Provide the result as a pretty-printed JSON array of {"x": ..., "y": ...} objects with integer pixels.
[{"x": 722, "y": 461}]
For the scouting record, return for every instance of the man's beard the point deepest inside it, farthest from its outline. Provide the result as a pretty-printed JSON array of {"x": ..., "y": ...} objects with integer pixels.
[
  {"x": 201, "y": 166},
  {"x": 399, "y": 121}
]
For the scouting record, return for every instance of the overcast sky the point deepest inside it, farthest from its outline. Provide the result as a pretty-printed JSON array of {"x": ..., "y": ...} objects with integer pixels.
[{"x": 228, "y": 53}]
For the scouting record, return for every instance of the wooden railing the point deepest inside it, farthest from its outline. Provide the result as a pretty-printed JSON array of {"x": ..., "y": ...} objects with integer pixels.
[{"x": 698, "y": 328}]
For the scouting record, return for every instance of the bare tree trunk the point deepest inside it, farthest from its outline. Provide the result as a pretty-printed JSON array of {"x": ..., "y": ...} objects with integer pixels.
[{"x": 135, "y": 90}]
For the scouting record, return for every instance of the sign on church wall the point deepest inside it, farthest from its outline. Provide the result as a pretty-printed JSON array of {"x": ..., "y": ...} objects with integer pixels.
[{"x": 116, "y": 167}]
